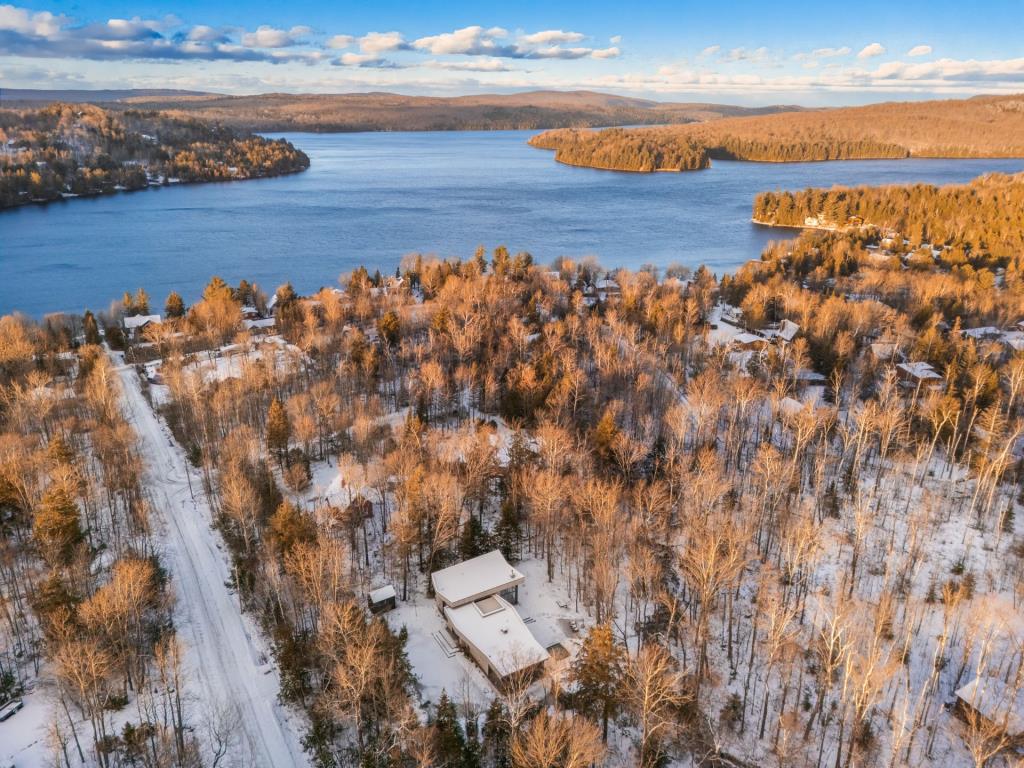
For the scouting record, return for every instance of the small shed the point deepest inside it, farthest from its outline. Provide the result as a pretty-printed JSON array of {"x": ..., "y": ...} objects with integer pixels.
[{"x": 382, "y": 599}]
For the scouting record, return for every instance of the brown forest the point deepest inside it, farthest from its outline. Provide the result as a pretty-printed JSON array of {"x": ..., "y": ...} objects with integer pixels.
[{"x": 988, "y": 126}]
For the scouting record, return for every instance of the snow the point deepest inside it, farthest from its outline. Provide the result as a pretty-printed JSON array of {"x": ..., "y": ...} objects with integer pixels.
[
  {"x": 920, "y": 370},
  {"x": 497, "y": 631},
  {"x": 475, "y": 578},
  {"x": 23, "y": 736},
  {"x": 225, "y": 658},
  {"x": 382, "y": 594},
  {"x": 139, "y": 321}
]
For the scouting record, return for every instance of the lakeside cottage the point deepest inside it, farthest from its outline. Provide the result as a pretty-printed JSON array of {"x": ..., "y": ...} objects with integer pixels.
[
  {"x": 476, "y": 599},
  {"x": 135, "y": 325}
]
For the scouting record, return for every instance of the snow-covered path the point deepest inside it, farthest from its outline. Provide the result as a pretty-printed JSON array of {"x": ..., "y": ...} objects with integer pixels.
[{"x": 225, "y": 660}]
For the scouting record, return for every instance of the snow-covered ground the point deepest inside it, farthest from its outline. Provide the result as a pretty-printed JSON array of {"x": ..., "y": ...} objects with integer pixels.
[{"x": 228, "y": 664}]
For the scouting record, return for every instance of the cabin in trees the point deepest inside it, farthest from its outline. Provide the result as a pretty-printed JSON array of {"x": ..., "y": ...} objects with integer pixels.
[
  {"x": 382, "y": 599},
  {"x": 476, "y": 599},
  {"x": 135, "y": 325},
  {"x": 919, "y": 374},
  {"x": 989, "y": 702}
]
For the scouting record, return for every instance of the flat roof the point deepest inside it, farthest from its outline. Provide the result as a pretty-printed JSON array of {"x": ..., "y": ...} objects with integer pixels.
[
  {"x": 499, "y": 634},
  {"x": 471, "y": 579}
]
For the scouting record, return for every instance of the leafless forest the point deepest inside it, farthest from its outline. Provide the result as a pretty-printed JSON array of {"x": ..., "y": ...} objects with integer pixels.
[{"x": 783, "y": 542}]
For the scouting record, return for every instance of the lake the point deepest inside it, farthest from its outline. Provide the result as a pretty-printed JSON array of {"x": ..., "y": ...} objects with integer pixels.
[{"x": 370, "y": 198}]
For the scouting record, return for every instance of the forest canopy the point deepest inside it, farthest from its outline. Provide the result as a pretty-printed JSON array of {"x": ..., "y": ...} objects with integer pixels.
[
  {"x": 987, "y": 126},
  {"x": 70, "y": 150}
]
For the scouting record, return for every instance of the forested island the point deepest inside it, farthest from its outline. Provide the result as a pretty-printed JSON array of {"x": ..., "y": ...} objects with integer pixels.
[
  {"x": 64, "y": 150},
  {"x": 772, "y": 519},
  {"x": 988, "y": 126}
]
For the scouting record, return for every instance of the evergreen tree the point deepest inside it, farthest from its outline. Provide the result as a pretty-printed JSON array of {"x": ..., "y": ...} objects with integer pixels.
[
  {"x": 474, "y": 540},
  {"x": 141, "y": 302},
  {"x": 598, "y": 674},
  {"x": 449, "y": 740},
  {"x": 57, "y": 529},
  {"x": 289, "y": 526},
  {"x": 174, "y": 307},
  {"x": 90, "y": 328},
  {"x": 389, "y": 328},
  {"x": 279, "y": 430},
  {"x": 480, "y": 260},
  {"x": 496, "y": 733},
  {"x": 509, "y": 532}
]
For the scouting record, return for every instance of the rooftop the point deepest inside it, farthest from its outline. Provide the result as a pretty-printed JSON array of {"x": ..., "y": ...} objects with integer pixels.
[
  {"x": 471, "y": 579},
  {"x": 494, "y": 627},
  {"x": 137, "y": 321}
]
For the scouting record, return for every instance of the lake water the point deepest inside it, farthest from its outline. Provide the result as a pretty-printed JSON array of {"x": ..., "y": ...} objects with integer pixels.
[{"x": 370, "y": 198}]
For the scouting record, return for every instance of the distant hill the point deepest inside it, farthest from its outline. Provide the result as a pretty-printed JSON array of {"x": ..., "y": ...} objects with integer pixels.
[
  {"x": 393, "y": 112},
  {"x": 15, "y": 96},
  {"x": 984, "y": 126}
]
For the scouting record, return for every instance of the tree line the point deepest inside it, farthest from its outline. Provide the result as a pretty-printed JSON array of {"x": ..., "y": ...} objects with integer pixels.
[
  {"x": 68, "y": 150},
  {"x": 979, "y": 127}
]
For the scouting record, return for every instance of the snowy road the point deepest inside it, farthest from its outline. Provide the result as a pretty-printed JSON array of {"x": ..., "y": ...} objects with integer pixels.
[{"x": 226, "y": 661}]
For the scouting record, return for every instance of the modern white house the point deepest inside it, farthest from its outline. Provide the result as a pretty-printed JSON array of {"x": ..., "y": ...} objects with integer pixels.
[{"x": 476, "y": 599}]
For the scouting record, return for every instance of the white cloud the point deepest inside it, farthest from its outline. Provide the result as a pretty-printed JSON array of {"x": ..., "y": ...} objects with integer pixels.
[
  {"x": 920, "y": 50},
  {"x": 25, "y": 22},
  {"x": 381, "y": 42},
  {"x": 746, "y": 54},
  {"x": 605, "y": 53},
  {"x": 268, "y": 37},
  {"x": 870, "y": 51},
  {"x": 711, "y": 50},
  {"x": 202, "y": 33},
  {"x": 551, "y": 37},
  {"x": 615, "y": 39},
  {"x": 478, "y": 65},
  {"x": 469, "y": 41},
  {"x": 338, "y": 42},
  {"x": 357, "y": 59}
]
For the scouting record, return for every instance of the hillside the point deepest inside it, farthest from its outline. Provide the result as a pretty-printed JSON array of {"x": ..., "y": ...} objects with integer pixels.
[
  {"x": 987, "y": 126},
  {"x": 393, "y": 112},
  {"x": 63, "y": 151}
]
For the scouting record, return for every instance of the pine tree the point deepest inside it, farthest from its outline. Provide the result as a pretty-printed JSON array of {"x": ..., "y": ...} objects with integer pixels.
[
  {"x": 90, "y": 328},
  {"x": 141, "y": 302},
  {"x": 174, "y": 306},
  {"x": 289, "y": 526},
  {"x": 598, "y": 674},
  {"x": 57, "y": 529},
  {"x": 496, "y": 734},
  {"x": 474, "y": 540},
  {"x": 279, "y": 430},
  {"x": 389, "y": 328},
  {"x": 450, "y": 742}
]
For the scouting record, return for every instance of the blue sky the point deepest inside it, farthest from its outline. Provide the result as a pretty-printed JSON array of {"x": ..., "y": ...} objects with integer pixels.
[{"x": 745, "y": 52}]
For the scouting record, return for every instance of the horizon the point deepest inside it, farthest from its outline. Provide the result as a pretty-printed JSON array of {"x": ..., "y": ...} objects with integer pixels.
[{"x": 811, "y": 55}]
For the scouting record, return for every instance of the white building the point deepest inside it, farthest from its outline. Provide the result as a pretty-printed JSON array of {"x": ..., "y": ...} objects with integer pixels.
[{"x": 474, "y": 598}]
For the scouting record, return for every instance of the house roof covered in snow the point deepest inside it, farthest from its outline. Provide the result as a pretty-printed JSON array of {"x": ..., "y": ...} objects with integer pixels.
[
  {"x": 919, "y": 370},
  {"x": 382, "y": 594},
  {"x": 139, "y": 321},
  {"x": 472, "y": 579},
  {"x": 996, "y": 702},
  {"x": 493, "y": 626}
]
